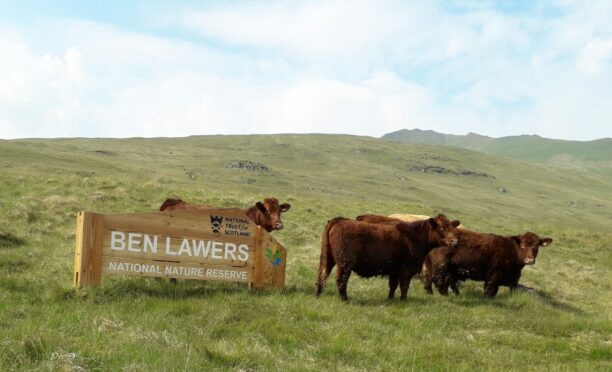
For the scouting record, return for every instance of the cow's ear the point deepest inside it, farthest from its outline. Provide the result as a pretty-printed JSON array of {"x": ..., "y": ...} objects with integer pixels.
[
  {"x": 285, "y": 207},
  {"x": 546, "y": 241},
  {"x": 516, "y": 239},
  {"x": 455, "y": 223},
  {"x": 261, "y": 207},
  {"x": 433, "y": 223}
]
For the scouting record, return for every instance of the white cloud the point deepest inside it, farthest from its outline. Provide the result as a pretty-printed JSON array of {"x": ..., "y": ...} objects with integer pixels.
[
  {"x": 318, "y": 28},
  {"x": 337, "y": 67},
  {"x": 594, "y": 57}
]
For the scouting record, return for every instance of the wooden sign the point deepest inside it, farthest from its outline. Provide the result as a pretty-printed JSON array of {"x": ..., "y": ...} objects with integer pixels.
[{"x": 211, "y": 244}]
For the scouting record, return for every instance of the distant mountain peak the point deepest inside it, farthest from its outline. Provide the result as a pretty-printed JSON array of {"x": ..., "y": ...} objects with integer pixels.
[{"x": 531, "y": 147}]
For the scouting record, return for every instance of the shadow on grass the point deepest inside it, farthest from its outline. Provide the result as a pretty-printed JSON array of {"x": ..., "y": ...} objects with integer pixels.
[
  {"x": 366, "y": 298},
  {"x": 549, "y": 300},
  {"x": 471, "y": 298},
  {"x": 383, "y": 301},
  {"x": 8, "y": 240}
]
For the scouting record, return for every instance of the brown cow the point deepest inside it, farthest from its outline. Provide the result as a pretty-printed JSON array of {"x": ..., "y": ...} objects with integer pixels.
[
  {"x": 370, "y": 249},
  {"x": 376, "y": 218},
  {"x": 266, "y": 214},
  {"x": 496, "y": 260}
]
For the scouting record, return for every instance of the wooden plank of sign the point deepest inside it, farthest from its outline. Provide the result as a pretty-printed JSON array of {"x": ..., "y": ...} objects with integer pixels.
[
  {"x": 153, "y": 268},
  {"x": 81, "y": 253},
  {"x": 87, "y": 257},
  {"x": 175, "y": 244},
  {"x": 258, "y": 270},
  {"x": 194, "y": 223},
  {"x": 95, "y": 254},
  {"x": 274, "y": 273}
]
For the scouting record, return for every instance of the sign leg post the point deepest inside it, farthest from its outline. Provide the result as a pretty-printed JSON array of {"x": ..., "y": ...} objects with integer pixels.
[{"x": 88, "y": 258}]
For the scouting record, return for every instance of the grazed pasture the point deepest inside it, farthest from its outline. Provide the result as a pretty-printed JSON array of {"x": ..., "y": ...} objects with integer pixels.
[{"x": 144, "y": 324}]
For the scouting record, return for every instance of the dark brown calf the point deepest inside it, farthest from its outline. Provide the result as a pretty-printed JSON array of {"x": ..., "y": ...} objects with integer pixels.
[
  {"x": 435, "y": 270},
  {"x": 266, "y": 214},
  {"x": 371, "y": 249},
  {"x": 495, "y": 260}
]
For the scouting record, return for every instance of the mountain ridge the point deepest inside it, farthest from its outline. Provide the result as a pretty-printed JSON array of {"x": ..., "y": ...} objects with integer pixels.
[{"x": 522, "y": 147}]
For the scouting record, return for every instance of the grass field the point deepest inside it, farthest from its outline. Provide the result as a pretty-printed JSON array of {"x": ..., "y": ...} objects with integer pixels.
[{"x": 136, "y": 324}]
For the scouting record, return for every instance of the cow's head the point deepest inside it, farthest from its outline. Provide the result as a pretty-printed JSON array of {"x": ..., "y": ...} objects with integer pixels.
[
  {"x": 442, "y": 230},
  {"x": 271, "y": 212},
  {"x": 527, "y": 246}
]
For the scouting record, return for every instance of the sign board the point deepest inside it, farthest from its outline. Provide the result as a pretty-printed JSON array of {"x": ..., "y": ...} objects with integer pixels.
[{"x": 212, "y": 244}]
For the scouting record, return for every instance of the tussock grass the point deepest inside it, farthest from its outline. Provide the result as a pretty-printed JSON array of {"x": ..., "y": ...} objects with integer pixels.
[{"x": 137, "y": 324}]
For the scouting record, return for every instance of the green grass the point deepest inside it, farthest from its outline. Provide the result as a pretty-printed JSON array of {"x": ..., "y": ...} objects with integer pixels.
[{"x": 146, "y": 324}]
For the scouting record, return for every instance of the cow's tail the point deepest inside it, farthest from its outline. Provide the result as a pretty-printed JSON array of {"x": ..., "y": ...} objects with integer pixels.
[
  {"x": 327, "y": 262},
  {"x": 169, "y": 203}
]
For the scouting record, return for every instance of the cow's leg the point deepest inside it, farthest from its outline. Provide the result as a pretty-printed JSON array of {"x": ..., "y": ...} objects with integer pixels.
[
  {"x": 393, "y": 283},
  {"x": 454, "y": 284},
  {"x": 427, "y": 282},
  {"x": 325, "y": 268},
  {"x": 492, "y": 285},
  {"x": 514, "y": 283},
  {"x": 513, "y": 286},
  {"x": 342, "y": 277},
  {"x": 439, "y": 279},
  {"x": 405, "y": 276},
  {"x": 442, "y": 287},
  {"x": 428, "y": 286}
]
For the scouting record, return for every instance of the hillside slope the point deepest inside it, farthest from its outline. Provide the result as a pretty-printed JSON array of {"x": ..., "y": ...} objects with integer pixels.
[
  {"x": 142, "y": 324},
  {"x": 525, "y": 147}
]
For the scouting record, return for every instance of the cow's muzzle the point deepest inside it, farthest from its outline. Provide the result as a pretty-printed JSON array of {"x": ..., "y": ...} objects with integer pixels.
[
  {"x": 279, "y": 226},
  {"x": 529, "y": 261}
]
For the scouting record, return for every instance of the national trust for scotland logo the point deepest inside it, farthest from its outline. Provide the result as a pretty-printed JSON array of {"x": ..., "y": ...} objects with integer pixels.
[{"x": 215, "y": 223}]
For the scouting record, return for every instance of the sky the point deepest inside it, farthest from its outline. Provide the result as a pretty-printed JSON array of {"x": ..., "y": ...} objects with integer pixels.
[{"x": 167, "y": 69}]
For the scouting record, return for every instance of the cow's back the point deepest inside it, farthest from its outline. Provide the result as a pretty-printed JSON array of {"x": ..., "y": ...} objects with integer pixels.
[
  {"x": 477, "y": 254},
  {"x": 179, "y": 205},
  {"x": 414, "y": 217},
  {"x": 369, "y": 249},
  {"x": 409, "y": 217}
]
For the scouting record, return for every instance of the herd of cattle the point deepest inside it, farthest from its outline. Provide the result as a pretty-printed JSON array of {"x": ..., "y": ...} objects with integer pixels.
[{"x": 441, "y": 251}]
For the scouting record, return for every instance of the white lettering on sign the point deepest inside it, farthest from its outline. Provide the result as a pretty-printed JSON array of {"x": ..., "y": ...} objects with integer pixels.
[
  {"x": 226, "y": 274},
  {"x": 176, "y": 271},
  {"x": 230, "y": 248},
  {"x": 243, "y": 250},
  {"x": 144, "y": 243},
  {"x": 185, "y": 248},
  {"x": 117, "y": 241},
  {"x": 133, "y": 242},
  {"x": 201, "y": 248},
  {"x": 216, "y": 250},
  {"x": 168, "y": 251},
  {"x": 150, "y": 245},
  {"x": 173, "y": 271},
  {"x": 134, "y": 267}
]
